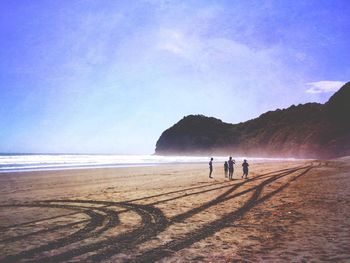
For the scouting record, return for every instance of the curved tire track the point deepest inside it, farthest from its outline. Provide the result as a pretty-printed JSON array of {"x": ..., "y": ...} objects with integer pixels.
[
  {"x": 152, "y": 220},
  {"x": 90, "y": 229}
]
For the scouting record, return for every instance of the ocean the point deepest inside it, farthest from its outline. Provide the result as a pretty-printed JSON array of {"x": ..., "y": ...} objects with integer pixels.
[{"x": 34, "y": 162}]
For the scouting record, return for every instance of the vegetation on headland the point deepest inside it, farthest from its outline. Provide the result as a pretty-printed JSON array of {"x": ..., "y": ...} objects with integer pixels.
[{"x": 310, "y": 130}]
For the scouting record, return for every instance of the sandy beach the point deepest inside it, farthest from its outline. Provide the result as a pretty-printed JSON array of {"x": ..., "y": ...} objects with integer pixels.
[{"x": 295, "y": 211}]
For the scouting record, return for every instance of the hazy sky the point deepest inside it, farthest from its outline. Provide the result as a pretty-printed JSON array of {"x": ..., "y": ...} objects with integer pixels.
[{"x": 110, "y": 76}]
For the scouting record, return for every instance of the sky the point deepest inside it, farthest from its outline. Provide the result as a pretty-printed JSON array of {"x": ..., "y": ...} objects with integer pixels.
[{"x": 110, "y": 76}]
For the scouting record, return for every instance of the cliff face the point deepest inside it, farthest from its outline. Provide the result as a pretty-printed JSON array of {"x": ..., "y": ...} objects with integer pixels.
[{"x": 311, "y": 130}]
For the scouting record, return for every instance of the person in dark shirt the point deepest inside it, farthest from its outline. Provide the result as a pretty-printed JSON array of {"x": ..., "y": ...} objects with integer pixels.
[
  {"x": 211, "y": 167},
  {"x": 226, "y": 168},
  {"x": 245, "y": 169},
  {"x": 230, "y": 168}
]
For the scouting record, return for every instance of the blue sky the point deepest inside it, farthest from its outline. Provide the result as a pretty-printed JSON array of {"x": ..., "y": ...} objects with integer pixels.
[{"x": 110, "y": 76}]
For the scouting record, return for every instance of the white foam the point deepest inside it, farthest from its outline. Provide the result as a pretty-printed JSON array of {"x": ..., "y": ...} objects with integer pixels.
[{"x": 68, "y": 161}]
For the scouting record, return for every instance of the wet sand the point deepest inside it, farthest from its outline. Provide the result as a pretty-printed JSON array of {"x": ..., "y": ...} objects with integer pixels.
[{"x": 285, "y": 212}]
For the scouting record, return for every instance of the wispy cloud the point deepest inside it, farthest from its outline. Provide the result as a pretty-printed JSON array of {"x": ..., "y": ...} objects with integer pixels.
[
  {"x": 324, "y": 86},
  {"x": 173, "y": 41}
]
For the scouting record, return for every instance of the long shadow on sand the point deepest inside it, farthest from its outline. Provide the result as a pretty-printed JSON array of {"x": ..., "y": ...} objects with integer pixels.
[
  {"x": 209, "y": 229},
  {"x": 205, "y": 231},
  {"x": 152, "y": 223}
]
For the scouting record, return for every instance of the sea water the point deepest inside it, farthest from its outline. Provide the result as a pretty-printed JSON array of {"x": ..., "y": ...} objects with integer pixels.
[{"x": 33, "y": 162}]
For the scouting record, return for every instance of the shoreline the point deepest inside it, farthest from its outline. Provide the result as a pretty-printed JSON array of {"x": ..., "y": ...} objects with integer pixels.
[{"x": 30, "y": 165}]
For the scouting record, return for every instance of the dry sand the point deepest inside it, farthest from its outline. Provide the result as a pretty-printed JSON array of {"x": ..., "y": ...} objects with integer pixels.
[{"x": 286, "y": 212}]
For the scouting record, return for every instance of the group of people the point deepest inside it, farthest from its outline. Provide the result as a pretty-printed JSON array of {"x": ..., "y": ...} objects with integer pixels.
[{"x": 229, "y": 168}]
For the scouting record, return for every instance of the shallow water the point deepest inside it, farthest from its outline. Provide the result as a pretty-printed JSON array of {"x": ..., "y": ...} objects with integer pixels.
[{"x": 33, "y": 162}]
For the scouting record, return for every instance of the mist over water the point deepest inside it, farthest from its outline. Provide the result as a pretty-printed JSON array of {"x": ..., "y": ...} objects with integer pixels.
[{"x": 33, "y": 162}]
